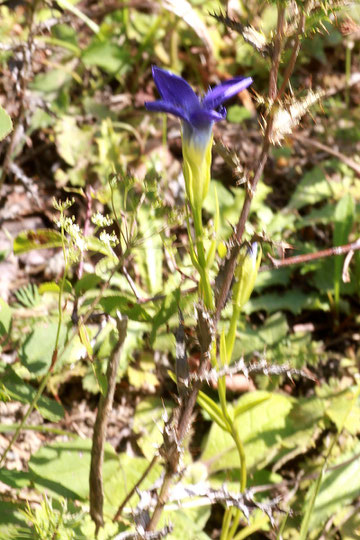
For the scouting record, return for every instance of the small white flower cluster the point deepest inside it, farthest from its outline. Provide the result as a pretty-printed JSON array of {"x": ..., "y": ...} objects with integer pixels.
[
  {"x": 110, "y": 240},
  {"x": 99, "y": 220},
  {"x": 76, "y": 242}
]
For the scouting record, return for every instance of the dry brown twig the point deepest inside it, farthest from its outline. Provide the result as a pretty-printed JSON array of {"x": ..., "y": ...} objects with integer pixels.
[{"x": 99, "y": 434}]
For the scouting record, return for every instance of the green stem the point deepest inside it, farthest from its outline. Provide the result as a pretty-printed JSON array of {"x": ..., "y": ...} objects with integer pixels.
[
  {"x": 235, "y": 524},
  {"x": 54, "y": 357},
  {"x": 26, "y": 416},
  {"x": 226, "y": 523},
  {"x": 205, "y": 286},
  {"x": 230, "y": 339}
]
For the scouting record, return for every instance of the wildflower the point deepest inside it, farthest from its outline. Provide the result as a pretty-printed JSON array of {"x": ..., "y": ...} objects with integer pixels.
[{"x": 197, "y": 116}]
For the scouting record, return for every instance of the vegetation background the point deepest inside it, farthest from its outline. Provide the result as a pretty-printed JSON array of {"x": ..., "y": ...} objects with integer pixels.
[{"x": 74, "y": 79}]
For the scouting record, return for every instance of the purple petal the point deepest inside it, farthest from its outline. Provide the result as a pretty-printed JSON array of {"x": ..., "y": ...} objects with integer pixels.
[
  {"x": 224, "y": 91},
  {"x": 166, "y": 107},
  {"x": 203, "y": 117},
  {"x": 174, "y": 89}
]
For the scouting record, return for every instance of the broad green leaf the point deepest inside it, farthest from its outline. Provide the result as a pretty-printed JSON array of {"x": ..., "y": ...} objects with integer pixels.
[
  {"x": 6, "y": 125},
  {"x": 95, "y": 244},
  {"x": 88, "y": 281},
  {"x": 312, "y": 188},
  {"x": 268, "y": 278},
  {"x": 37, "y": 349},
  {"x": 293, "y": 300},
  {"x": 108, "y": 56},
  {"x": 67, "y": 465},
  {"x": 73, "y": 143},
  {"x": 339, "y": 413},
  {"x": 52, "y": 287},
  {"x": 259, "y": 429},
  {"x": 149, "y": 256},
  {"x": 253, "y": 401},
  {"x": 39, "y": 239},
  {"x": 21, "y": 391},
  {"x": 338, "y": 488},
  {"x": 274, "y": 427},
  {"x": 273, "y": 330},
  {"x": 5, "y": 318},
  {"x": 51, "y": 81}
]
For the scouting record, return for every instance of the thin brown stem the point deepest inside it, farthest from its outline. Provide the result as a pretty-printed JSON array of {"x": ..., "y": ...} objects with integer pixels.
[
  {"x": 135, "y": 487},
  {"x": 295, "y": 51},
  {"x": 173, "y": 457},
  {"x": 230, "y": 265},
  {"x": 100, "y": 427},
  {"x": 331, "y": 151},
  {"x": 306, "y": 257}
]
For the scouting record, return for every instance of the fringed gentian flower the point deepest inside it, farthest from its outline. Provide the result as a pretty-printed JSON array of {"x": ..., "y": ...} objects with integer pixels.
[{"x": 197, "y": 118}]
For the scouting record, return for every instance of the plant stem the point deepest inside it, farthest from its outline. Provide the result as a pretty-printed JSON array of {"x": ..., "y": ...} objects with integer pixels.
[
  {"x": 100, "y": 427},
  {"x": 53, "y": 360},
  {"x": 230, "y": 264}
]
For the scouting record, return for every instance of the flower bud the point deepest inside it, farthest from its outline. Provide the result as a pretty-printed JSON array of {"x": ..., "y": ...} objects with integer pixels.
[{"x": 245, "y": 274}]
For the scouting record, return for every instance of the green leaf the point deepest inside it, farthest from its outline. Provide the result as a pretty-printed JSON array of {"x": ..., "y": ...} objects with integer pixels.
[
  {"x": 61, "y": 462},
  {"x": 268, "y": 278},
  {"x": 339, "y": 413},
  {"x": 273, "y": 330},
  {"x": 6, "y": 125},
  {"x": 312, "y": 188},
  {"x": 52, "y": 287},
  {"x": 21, "y": 391},
  {"x": 149, "y": 256},
  {"x": 39, "y": 239},
  {"x": 188, "y": 523},
  {"x": 5, "y": 318},
  {"x": 51, "y": 81},
  {"x": 37, "y": 349},
  {"x": 88, "y": 281},
  {"x": 73, "y": 143},
  {"x": 338, "y": 488},
  {"x": 212, "y": 409},
  {"x": 292, "y": 300},
  {"x": 344, "y": 217},
  {"x": 126, "y": 305},
  {"x": 65, "y": 4},
  {"x": 168, "y": 308},
  {"x": 271, "y": 426},
  {"x": 108, "y": 56},
  {"x": 237, "y": 114},
  {"x": 253, "y": 401}
]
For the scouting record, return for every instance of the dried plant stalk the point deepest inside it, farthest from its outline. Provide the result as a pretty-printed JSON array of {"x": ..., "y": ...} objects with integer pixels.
[{"x": 99, "y": 435}]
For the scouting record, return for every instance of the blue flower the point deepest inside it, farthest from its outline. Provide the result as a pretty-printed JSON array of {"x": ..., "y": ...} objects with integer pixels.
[{"x": 197, "y": 115}]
